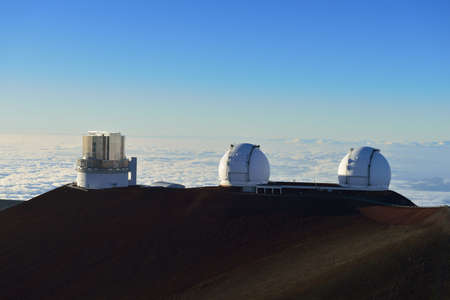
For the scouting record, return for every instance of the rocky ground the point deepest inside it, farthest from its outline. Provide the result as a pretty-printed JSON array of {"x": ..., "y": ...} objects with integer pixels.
[{"x": 214, "y": 244}]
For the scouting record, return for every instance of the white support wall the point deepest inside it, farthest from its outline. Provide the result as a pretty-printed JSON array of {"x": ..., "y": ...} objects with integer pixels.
[{"x": 101, "y": 180}]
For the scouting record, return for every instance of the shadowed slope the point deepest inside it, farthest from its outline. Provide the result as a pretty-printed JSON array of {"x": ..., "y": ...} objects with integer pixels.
[
  {"x": 209, "y": 243},
  {"x": 4, "y": 204},
  {"x": 364, "y": 260},
  {"x": 403, "y": 215}
]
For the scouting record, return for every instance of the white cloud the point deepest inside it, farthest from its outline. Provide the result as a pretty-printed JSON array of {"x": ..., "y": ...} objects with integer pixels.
[{"x": 32, "y": 165}]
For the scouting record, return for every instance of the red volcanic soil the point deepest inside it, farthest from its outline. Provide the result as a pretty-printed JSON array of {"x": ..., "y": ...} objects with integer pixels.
[{"x": 212, "y": 243}]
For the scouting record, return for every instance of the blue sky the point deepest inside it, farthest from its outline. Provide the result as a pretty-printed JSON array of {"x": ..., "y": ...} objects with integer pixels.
[{"x": 324, "y": 69}]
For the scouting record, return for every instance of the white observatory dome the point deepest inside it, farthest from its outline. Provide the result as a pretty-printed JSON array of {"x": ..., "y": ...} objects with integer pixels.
[
  {"x": 244, "y": 165},
  {"x": 365, "y": 167}
]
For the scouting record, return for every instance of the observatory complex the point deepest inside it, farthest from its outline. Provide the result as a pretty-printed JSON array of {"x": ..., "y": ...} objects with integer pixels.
[
  {"x": 363, "y": 173},
  {"x": 104, "y": 164},
  {"x": 166, "y": 241}
]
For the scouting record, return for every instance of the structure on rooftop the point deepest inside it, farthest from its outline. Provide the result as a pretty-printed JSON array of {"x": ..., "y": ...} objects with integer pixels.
[
  {"x": 244, "y": 165},
  {"x": 364, "y": 167},
  {"x": 104, "y": 164}
]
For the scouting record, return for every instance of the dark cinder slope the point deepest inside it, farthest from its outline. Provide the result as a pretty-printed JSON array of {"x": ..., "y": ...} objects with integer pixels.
[{"x": 213, "y": 243}]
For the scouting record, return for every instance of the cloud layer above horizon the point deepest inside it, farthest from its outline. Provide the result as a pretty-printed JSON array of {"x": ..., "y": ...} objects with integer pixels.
[{"x": 31, "y": 165}]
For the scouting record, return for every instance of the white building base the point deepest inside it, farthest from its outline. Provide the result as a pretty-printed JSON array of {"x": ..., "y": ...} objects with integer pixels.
[{"x": 102, "y": 180}]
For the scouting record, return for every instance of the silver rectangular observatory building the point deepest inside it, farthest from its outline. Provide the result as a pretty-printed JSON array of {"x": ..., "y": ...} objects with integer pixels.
[
  {"x": 104, "y": 145},
  {"x": 103, "y": 163}
]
